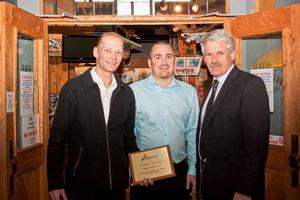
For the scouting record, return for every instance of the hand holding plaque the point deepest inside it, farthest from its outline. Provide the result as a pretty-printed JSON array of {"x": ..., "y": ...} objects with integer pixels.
[{"x": 155, "y": 163}]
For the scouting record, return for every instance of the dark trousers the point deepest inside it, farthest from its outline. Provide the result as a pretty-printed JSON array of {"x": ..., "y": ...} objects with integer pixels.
[
  {"x": 224, "y": 193},
  {"x": 97, "y": 195},
  {"x": 201, "y": 190},
  {"x": 205, "y": 193},
  {"x": 170, "y": 188}
]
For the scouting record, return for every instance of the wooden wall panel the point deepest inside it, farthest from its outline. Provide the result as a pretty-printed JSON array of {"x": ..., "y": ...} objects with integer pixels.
[
  {"x": 62, "y": 74},
  {"x": 262, "y": 5},
  {"x": 277, "y": 158},
  {"x": 58, "y": 74},
  {"x": 292, "y": 76},
  {"x": 263, "y": 23},
  {"x": 52, "y": 75},
  {"x": 3, "y": 141},
  {"x": 291, "y": 87},
  {"x": 26, "y": 182},
  {"x": 274, "y": 184}
]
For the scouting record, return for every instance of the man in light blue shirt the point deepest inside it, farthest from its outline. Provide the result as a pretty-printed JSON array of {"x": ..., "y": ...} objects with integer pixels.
[{"x": 166, "y": 114}]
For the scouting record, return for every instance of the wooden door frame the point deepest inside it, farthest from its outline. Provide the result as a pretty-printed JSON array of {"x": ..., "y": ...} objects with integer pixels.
[
  {"x": 284, "y": 21},
  {"x": 12, "y": 21},
  {"x": 3, "y": 141}
]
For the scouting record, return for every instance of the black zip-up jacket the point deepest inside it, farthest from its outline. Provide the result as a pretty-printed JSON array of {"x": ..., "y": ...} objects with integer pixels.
[{"x": 97, "y": 155}]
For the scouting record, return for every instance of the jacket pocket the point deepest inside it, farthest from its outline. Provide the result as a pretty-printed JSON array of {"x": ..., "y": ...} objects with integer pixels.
[{"x": 78, "y": 160}]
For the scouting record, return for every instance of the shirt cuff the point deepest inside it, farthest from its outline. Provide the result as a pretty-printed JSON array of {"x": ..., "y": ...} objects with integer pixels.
[{"x": 192, "y": 170}]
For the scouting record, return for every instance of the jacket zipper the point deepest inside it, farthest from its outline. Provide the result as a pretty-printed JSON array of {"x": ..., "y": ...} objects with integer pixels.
[
  {"x": 78, "y": 160},
  {"x": 109, "y": 161},
  {"x": 107, "y": 142}
]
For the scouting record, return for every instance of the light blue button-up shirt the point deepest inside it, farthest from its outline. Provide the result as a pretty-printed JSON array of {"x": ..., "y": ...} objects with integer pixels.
[{"x": 167, "y": 116}]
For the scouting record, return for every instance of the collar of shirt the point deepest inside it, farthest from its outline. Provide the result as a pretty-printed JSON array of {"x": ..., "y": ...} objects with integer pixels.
[
  {"x": 99, "y": 81},
  {"x": 106, "y": 93},
  {"x": 151, "y": 82},
  {"x": 223, "y": 78}
]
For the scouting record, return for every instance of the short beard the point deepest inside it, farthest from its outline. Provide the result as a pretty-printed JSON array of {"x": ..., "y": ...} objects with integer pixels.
[{"x": 167, "y": 76}]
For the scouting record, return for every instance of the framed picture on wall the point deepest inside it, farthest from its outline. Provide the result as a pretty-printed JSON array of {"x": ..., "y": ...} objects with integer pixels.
[{"x": 187, "y": 65}]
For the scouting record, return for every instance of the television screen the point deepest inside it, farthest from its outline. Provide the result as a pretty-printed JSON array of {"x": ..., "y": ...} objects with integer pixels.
[{"x": 78, "y": 48}]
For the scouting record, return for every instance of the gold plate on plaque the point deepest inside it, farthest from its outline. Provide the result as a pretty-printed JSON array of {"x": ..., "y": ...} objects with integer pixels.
[{"x": 155, "y": 163}]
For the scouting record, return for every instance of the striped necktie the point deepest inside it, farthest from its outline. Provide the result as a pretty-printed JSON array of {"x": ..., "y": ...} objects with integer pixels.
[{"x": 203, "y": 137}]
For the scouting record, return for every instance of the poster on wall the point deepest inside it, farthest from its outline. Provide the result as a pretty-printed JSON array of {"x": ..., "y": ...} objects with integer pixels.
[
  {"x": 266, "y": 74},
  {"x": 10, "y": 101},
  {"x": 187, "y": 66},
  {"x": 29, "y": 131},
  {"x": 25, "y": 76},
  {"x": 26, "y": 93},
  {"x": 28, "y": 121}
]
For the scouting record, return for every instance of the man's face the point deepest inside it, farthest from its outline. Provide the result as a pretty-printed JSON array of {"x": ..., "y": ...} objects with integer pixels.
[
  {"x": 109, "y": 53},
  {"x": 162, "y": 61},
  {"x": 217, "y": 57}
]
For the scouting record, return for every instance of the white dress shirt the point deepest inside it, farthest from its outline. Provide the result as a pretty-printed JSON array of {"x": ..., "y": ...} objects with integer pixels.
[{"x": 105, "y": 92}]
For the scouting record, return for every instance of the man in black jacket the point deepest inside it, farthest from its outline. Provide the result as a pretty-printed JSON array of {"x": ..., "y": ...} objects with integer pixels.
[{"x": 95, "y": 118}]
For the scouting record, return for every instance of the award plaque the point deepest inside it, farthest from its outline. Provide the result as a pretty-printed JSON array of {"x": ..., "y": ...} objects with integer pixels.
[{"x": 155, "y": 163}]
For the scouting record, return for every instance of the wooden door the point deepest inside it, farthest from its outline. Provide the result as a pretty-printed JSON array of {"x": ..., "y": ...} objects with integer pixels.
[
  {"x": 23, "y": 104},
  {"x": 259, "y": 31}
]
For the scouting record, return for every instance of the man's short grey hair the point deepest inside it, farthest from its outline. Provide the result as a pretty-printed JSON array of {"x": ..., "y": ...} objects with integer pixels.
[{"x": 218, "y": 35}]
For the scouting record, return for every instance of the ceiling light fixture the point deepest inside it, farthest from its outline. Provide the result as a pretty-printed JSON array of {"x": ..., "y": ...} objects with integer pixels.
[
  {"x": 195, "y": 8},
  {"x": 178, "y": 9},
  {"x": 163, "y": 5}
]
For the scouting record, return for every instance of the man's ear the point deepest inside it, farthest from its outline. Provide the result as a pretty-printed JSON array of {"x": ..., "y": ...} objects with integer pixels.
[
  {"x": 95, "y": 52},
  {"x": 232, "y": 55},
  {"x": 149, "y": 63}
]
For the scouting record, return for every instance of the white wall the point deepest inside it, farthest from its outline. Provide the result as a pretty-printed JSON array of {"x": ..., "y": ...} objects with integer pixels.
[
  {"x": 251, "y": 6},
  {"x": 32, "y": 6},
  {"x": 280, "y": 3},
  {"x": 237, "y": 7}
]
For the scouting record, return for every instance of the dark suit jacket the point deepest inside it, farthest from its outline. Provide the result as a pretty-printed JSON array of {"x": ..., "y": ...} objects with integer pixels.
[{"x": 237, "y": 138}]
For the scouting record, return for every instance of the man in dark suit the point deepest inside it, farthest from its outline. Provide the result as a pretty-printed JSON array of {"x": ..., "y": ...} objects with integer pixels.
[{"x": 233, "y": 127}]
